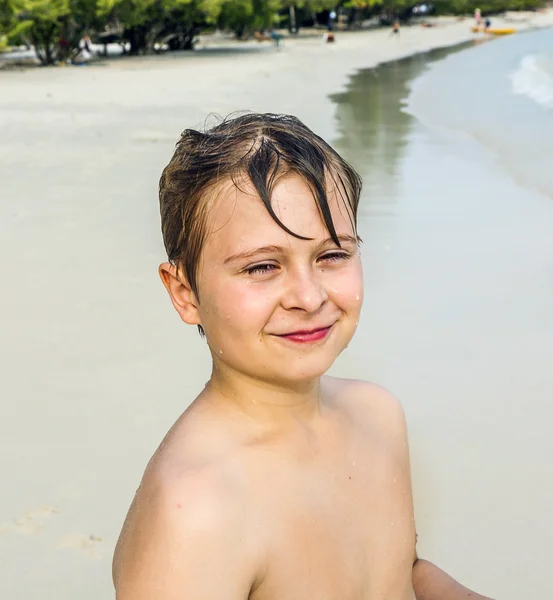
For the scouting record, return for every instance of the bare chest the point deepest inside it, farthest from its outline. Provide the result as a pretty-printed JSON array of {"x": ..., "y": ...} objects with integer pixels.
[{"x": 342, "y": 532}]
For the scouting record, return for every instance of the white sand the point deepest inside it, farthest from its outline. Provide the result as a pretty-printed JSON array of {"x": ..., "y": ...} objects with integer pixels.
[{"x": 96, "y": 365}]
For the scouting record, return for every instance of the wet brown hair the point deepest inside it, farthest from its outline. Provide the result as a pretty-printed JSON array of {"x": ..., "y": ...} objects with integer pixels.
[{"x": 256, "y": 148}]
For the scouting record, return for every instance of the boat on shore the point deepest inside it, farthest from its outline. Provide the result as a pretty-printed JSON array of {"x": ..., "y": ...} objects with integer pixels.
[{"x": 494, "y": 30}]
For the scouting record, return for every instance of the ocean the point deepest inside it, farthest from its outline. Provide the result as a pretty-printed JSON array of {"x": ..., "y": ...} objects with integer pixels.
[
  {"x": 456, "y": 218},
  {"x": 500, "y": 94}
]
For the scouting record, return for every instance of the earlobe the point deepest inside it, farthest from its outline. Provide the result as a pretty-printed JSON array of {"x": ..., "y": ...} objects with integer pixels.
[{"x": 181, "y": 294}]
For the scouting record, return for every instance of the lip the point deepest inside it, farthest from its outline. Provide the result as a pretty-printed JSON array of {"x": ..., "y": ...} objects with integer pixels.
[{"x": 307, "y": 336}]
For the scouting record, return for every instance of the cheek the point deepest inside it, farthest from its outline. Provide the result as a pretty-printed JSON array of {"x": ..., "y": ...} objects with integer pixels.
[
  {"x": 346, "y": 288},
  {"x": 240, "y": 304}
]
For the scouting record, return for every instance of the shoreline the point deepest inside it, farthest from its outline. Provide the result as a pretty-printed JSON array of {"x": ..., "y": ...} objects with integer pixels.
[{"x": 212, "y": 61}]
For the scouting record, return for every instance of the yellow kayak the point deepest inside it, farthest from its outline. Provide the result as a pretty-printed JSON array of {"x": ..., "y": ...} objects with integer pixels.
[{"x": 495, "y": 30}]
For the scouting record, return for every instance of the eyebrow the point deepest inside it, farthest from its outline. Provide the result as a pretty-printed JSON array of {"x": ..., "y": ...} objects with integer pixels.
[{"x": 247, "y": 254}]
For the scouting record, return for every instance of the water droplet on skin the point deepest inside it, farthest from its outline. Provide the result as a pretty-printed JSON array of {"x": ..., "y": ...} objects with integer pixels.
[
  {"x": 220, "y": 352},
  {"x": 357, "y": 297}
]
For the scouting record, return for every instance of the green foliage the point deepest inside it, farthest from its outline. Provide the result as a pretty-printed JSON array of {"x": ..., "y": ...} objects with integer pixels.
[
  {"x": 246, "y": 16},
  {"x": 460, "y": 7},
  {"x": 131, "y": 13},
  {"x": 358, "y": 4},
  {"x": 144, "y": 22},
  {"x": 55, "y": 27},
  {"x": 316, "y": 6},
  {"x": 46, "y": 27},
  {"x": 9, "y": 11}
]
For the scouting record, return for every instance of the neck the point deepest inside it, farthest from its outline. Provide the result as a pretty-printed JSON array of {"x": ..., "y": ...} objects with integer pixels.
[{"x": 265, "y": 402}]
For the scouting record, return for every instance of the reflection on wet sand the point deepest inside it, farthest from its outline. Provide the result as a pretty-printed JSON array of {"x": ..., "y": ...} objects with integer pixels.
[{"x": 373, "y": 128}]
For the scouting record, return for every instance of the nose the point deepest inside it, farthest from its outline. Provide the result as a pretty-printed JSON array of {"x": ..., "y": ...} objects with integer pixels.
[{"x": 304, "y": 291}]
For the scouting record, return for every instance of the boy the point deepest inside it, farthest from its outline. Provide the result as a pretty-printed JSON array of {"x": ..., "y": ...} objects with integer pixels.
[{"x": 278, "y": 482}]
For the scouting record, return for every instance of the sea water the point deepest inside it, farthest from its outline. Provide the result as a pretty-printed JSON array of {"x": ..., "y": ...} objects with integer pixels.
[{"x": 500, "y": 94}]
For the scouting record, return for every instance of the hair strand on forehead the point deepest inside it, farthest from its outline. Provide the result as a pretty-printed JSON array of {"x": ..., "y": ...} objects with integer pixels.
[{"x": 263, "y": 149}]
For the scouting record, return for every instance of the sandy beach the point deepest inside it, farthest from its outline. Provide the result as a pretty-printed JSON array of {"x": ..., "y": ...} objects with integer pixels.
[{"x": 96, "y": 365}]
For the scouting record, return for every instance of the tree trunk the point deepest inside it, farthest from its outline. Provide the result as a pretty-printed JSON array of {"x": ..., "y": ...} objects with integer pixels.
[
  {"x": 43, "y": 38},
  {"x": 292, "y": 24},
  {"x": 313, "y": 16},
  {"x": 137, "y": 39},
  {"x": 188, "y": 38}
]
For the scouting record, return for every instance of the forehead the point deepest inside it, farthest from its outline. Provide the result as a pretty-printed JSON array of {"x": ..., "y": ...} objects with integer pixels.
[{"x": 237, "y": 219}]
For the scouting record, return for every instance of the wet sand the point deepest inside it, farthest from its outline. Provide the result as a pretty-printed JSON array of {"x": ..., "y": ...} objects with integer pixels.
[{"x": 97, "y": 365}]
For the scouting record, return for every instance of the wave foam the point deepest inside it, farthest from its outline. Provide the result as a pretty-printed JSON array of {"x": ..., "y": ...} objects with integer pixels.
[{"x": 534, "y": 79}]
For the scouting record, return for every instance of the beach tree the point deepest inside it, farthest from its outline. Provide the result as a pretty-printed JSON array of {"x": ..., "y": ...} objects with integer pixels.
[
  {"x": 245, "y": 16},
  {"x": 132, "y": 19},
  {"x": 486, "y": 7},
  {"x": 11, "y": 27},
  {"x": 54, "y": 27},
  {"x": 298, "y": 10},
  {"x": 44, "y": 19},
  {"x": 144, "y": 23}
]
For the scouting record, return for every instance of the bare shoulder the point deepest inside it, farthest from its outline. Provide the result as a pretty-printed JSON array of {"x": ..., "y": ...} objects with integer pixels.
[
  {"x": 187, "y": 533},
  {"x": 369, "y": 398},
  {"x": 371, "y": 406}
]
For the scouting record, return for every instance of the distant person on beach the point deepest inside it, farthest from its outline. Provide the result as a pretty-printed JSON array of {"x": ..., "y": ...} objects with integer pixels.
[
  {"x": 330, "y": 26},
  {"x": 395, "y": 29},
  {"x": 276, "y": 37},
  {"x": 84, "y": 53},
  {"x": 273, "y": 36},
  {"x": 278, "y": 481},
  {"x": 477, "y": 17}
]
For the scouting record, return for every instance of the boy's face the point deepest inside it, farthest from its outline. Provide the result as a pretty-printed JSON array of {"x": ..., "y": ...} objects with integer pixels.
[{"x": 275, "y": 307}]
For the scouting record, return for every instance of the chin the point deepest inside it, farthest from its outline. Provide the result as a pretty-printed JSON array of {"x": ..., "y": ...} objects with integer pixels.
[{"x": 306, "y": 368}]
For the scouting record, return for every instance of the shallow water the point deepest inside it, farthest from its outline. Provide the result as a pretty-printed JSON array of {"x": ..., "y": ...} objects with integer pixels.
[
  {"x": 458, "y": 318},
  {"x": 501, "y": 95}
]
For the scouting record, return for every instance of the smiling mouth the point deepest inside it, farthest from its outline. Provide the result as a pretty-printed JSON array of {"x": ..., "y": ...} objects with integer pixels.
[{"x": 305, "y": 336}]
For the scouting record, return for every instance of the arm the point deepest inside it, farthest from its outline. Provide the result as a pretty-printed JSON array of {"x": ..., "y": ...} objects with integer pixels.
[
  {"x": 184, "y": 542},
  {"x": 431, "y": 583}
]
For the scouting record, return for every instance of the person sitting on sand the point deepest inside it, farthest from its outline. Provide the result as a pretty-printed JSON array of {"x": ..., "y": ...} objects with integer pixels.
[
  {"x": 273, "y": 36},
  {"x": 278, "y": 481}
]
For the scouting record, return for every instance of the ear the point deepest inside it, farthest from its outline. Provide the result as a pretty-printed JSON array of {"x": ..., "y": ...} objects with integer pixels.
[{"x": 183, "y": 298}]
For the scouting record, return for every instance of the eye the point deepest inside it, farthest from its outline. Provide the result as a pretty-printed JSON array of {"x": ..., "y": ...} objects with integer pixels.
[
  {"x": 261, "y": 269},
  {"x": 335, "y": 256}
]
